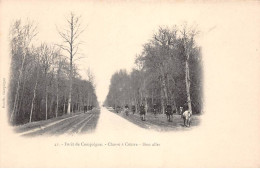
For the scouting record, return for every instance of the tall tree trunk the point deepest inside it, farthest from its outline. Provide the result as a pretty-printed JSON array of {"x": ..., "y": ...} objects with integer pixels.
[
  {"x": 165, "y": 89},
  {"x": 57, "y": 92},
  {"x": 64, "y": 106},
  {"x": 57, "y": 101},
  {"x": 46, "y": 96},
  {"x": 187, "y": 80},
  {"x": 174, "y": 101},
  {"x": 136, "y": 105},
  {"x": 141, "y": 97},
  {"x": 51, "y": 104},
  {"x": 34, "y": 95},
  {"x": 78, "y": 106},
  {"x": 46, "y": 103},
  {"x": 164, "y": 94},
  {"x": 145, "y": 96},
  {"x": 162, "y": 80},
  {"x": 71, "y": 57},
  {"x": 146, "y": 104},
  {"x": 187, "y": 71},
  {"x": 17, "y": 89},
  {"x": 70, "y": 86},
  {"x": 162, "y": 101},
  {"x": 174, "y": 96},
  {"x": 21, "y": 101},
  {"x": 91, "y": 101}
]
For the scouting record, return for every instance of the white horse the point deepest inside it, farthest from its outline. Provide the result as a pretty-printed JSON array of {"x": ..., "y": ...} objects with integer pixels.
[{"x": 186, "y": 116}]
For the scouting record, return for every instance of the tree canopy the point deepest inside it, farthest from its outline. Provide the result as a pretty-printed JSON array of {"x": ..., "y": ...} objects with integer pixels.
[
  {"x": 162, "y": 76},
  {"x": 40, "y": 79}
]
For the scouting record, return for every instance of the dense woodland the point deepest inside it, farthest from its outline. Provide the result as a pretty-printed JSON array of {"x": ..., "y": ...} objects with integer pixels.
[
  {"x": 168, "y": 72},
  {"x": 44, "y": 79}
]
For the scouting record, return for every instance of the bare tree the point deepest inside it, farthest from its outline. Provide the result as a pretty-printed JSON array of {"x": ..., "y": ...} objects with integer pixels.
[
  {"x": 47, "y": 56},
  {"x": 91, "y": 79},
  {"x": 71, "y": 44},
  {"x": 21, "y": 38},
  {"x": 59, "y": 62},
  {"x": 188, "y": 35},
  {"x": 37, "y": 68},
  {"x": 169, "y": 73},
  {"x": 166, "y": 38}
]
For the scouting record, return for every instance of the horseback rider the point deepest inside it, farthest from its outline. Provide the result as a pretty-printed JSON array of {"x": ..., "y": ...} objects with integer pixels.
[
  {"x": 168, "y": 112},
  {"x": 155, "y": 109},
  {"x": 133, "y": 109},
  {"x": 118, "y": 108},
  {"x": 85, "y": 109},
  {"x": 126, "y": 110},
  {"x": 142, "y": 112},
  {"x": 186, "y": 116}
]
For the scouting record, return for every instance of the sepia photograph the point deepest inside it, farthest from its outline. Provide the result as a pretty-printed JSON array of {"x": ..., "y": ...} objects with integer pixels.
[{"x": 116, "y": 83}]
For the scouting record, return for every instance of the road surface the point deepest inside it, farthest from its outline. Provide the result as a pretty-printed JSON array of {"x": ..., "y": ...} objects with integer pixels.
[
  {"x": 102, "y": 121},
  {"x": 112, "y": 124},
  {"x": 68, "y": 124}
]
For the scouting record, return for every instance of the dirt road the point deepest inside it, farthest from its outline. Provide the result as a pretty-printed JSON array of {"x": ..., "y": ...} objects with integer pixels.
[
  {"x": 67, "y": 124},
  {"x": 102, "y": 120}
]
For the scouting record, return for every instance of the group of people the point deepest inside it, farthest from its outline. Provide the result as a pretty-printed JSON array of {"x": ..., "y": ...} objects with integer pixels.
[
  {"x": 87, "y": 108},
  {"x": 133, "y": 108},
  {"x": 169, "y": 110}
]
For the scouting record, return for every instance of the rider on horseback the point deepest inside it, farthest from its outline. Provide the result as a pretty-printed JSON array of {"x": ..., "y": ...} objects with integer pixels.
[
  {"x": 142, "y": 112},
  {"x": 168, "y": 112},
  {"x": 133, "y": 109},
  {"x": 155, "y": 109},
  {"x": 126, "y": 110}
]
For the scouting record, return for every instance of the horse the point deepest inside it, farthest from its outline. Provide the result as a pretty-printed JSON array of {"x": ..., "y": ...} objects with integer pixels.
[
  {"x": 126, "y": 110},
  {"x": 186, "y": 116},
  {"x": 142, "y": 112},
  {"x": 133, "y": 109},
  {"x": 169, "y": 113}
]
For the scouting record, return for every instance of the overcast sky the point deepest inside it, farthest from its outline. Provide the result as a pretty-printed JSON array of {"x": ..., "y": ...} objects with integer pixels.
[{"x": 115, "y": 31}]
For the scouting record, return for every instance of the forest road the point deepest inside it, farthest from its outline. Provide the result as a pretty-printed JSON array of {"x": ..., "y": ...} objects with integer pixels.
[
  {"x": 70, "y": 124},
  {"x": 114, "y": 125},
  {"x": 102, "y": 121}
]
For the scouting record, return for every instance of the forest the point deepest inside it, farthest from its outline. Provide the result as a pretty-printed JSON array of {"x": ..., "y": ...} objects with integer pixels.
[
  {"x": 168, "y": 71},
  {"x": 44, "y": 79}
]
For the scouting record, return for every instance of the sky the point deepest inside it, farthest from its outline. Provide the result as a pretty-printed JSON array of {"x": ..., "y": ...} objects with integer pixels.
[{"x": 115, "y": 30}]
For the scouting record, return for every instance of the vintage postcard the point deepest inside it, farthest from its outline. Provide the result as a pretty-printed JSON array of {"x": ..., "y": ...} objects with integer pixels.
[{"x": 156, "y": 84}]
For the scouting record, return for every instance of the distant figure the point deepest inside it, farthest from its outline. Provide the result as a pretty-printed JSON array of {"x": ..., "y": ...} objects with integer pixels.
[
  {"x": 85, "y": 109},
  {"x": 117, "y": 109},
  {"x": 126, "y": 110},
  {"x": 186, "y": 116},
  {"x": 168, "y": 112},
  {"x": 133, "y": 109},
  {"x": 142, "y": 112},
  {"x": 74, "y": 108},
  {"x": 155, "y": 109}
]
